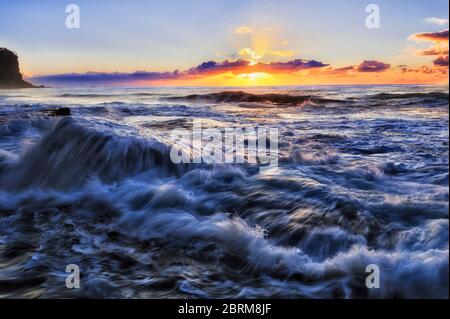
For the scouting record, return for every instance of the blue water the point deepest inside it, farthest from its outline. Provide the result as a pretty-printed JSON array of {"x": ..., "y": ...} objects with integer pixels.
[{"x": 362, "y": 179}]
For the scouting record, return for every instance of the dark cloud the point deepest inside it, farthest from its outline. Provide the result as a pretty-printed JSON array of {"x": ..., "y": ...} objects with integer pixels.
[
  {"x": 434, "y": 51},
  {"x": 217, "y": 67},
  {"x": 239, "y": 66},
  {"x": 365, "y": 66},
  {"x": 372, "y": 66},
  {"x": 294, "y": 65},
  {"x": 105, "y": 78},
  {"x": 432, "y": 36},
  {"x": 441, "y": 61}
]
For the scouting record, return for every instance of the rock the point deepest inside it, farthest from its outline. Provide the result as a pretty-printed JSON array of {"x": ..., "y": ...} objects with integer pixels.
[
  {"x": 62, "y": 111},
  {"x": 10, "y": 77}
]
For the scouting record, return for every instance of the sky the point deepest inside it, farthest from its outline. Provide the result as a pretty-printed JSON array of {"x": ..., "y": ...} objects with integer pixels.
[{"x": 228, "y": 42}]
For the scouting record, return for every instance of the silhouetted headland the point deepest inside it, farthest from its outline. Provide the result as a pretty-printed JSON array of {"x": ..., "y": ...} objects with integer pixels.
[{"x": 10, "y": 76}]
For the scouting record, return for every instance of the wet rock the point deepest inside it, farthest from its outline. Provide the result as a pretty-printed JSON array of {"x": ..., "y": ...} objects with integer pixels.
[{"x": 62, "y": 111}]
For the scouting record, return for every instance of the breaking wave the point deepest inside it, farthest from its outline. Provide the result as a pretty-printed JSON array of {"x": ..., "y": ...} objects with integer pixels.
[
  {"x": 351, "y": 190},
  {"x": 87, "y": 95},
  {"x": 428, "y": 95},
  {"x": 68, "y": 154},
  {"x": 244, "y": 97}
]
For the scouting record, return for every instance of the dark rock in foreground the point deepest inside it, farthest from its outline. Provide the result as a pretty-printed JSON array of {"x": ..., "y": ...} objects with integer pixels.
[
  {"x": 10, "y": 77},
  {"x": 62, "y": 111}
]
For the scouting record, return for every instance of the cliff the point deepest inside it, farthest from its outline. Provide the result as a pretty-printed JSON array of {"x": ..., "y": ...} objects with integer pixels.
[{"x": 10, "y": 77}]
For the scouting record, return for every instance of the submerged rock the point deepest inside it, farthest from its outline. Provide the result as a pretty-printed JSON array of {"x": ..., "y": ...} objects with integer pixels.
[{"x": 61, "y": 111}]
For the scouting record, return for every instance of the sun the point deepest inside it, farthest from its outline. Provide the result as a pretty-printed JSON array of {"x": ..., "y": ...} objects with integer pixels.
[
  {"x": 251, "y": 79},
  {"x": 253, "y": 76}
]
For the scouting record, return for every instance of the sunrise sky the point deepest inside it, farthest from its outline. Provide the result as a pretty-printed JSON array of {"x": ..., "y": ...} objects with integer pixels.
[{"x": 227, "y": 42}]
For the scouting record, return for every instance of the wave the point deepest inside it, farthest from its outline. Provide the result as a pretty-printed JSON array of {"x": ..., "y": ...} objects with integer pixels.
[
  {"x": 86, "y": 95},
  {"x": 244, "y": 97},
  {"x": 328, "y": 261},
  {"x": 347, "y": 193},
  {"x": 394, "y": 96},
  {"x": 69, "y": 153}
]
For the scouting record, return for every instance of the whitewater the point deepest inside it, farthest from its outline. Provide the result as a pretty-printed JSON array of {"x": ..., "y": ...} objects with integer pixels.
[{"x": 362, "y": 178}]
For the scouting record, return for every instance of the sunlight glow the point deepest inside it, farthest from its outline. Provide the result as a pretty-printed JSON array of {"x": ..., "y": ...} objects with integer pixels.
[{"x": 253, "y": 76}]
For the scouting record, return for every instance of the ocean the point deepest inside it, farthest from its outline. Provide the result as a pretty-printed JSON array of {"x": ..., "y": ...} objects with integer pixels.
[{"x": 361, "y": 178}]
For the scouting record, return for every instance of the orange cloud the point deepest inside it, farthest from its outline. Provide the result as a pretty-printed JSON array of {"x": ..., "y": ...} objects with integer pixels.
[
  {"x": 439, "y": 36},
  {"x": 240, "y": 72},
  {"x": 433, "y": 51},
  {"x": 341, "y": 72},
  {"x": 440, "y": 49}
]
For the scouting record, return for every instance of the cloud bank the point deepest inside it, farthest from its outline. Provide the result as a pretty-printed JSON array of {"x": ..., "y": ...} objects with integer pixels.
[
  {"x": 366, "y": 66},
  {"x": 440, "y": 49},
  {"x": 208, "y": 68}
]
